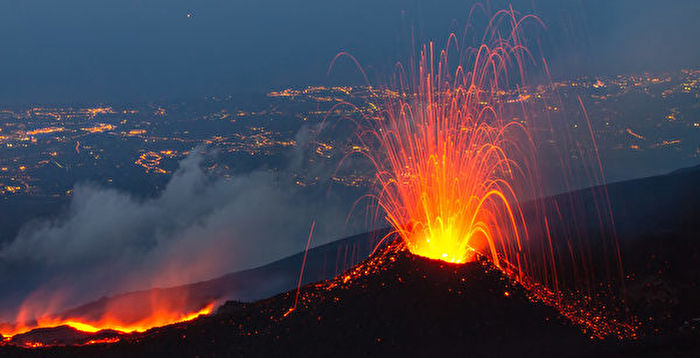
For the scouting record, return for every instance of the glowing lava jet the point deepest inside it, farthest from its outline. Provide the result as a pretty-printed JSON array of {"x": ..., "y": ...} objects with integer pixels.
[
  {"x": 466, "y": 151},
  {"x": 451, "y": 164},
  {"x": 447, "y": 188},
  {"x": 459, "y": 148}
]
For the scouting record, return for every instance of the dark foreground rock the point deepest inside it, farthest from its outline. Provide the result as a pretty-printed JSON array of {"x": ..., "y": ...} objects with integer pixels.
[{"x": 392, "y": 304}]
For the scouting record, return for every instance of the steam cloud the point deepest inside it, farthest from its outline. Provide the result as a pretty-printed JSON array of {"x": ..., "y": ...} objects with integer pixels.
[{"x": 197, "y": 228}]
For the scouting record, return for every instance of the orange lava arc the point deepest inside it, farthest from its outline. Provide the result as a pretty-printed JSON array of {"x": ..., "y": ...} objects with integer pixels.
[
  {"x": 448, "y": 189},
  {"x": 451, "y": 165}
]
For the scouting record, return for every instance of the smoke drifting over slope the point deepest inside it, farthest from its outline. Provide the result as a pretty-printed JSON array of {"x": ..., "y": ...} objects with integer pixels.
[{"x": 198, "y": 227}]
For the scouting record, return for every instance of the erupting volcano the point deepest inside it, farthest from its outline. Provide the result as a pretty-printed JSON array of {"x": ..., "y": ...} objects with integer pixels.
[
  {"x": 455, "y": 157},
  {"x": 461, "y": 151}
]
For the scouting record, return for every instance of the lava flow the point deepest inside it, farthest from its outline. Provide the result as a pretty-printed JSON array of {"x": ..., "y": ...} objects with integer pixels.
[{"x": 126, "y": 314}]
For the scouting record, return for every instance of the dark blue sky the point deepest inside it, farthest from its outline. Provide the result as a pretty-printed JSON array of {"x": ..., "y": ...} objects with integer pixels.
[{"x": 134, "y": 50}]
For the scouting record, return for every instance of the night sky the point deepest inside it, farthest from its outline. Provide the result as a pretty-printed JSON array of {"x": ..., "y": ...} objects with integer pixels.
[
  {"x": 198, "y": 221},
  {"x": 78, "y": 51}
]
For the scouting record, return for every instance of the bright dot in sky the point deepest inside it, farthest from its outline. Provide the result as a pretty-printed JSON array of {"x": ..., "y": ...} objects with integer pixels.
[{"x": 188, "y": 15}]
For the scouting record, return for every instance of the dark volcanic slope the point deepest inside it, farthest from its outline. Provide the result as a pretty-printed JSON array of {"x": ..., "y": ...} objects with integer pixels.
[
  {"x": 389, "y": 305},
  {"x": 657, "y": 220},
  {"x": 322, "y": 263},
  {"x": 413, "y": 306},
  {"x": 657, "y": 216},
  {"x": 658, "y": 225},
  {"x": 404, "y": 304}
]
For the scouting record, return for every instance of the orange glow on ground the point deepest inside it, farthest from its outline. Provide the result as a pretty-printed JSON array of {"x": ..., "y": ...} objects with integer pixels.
[{"x": 157, "y": 319}]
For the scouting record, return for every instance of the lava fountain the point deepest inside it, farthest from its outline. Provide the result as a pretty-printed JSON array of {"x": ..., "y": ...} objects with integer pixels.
[
  {"x": 458, "y": 147},
  {"x": 451, "y": 165},
  {"x": 447, "y": 186}
]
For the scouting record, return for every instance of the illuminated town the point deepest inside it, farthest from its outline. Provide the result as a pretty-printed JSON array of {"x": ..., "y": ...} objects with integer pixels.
[
  {"x": 50, "y": 148},
  {"x": 402, "y": 178},
  {"x": 644, "y": 118}
]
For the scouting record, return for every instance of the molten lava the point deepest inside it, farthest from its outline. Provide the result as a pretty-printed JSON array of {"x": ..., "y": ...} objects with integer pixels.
[
  {"x": 456, "y": 155},
  {"x": 452, "y": 163},
  {"x": 447, "y": 188},
  {"x": 466, "y": 149},
  {"x": 158, "y": 319},
  {"x": 116, "y": 318}
]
